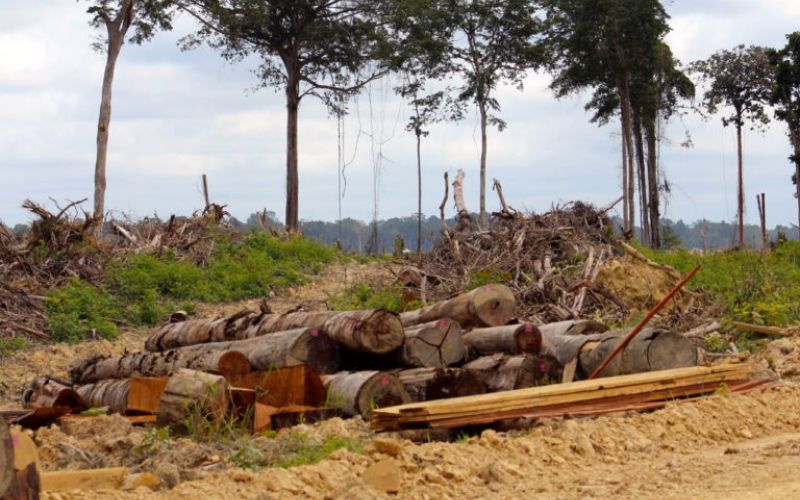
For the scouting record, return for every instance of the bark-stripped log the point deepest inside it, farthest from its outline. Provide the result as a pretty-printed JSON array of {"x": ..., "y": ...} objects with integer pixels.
[
  {"x": 375, "y": 331},
  {"x": 6, "y": 458},
  {"x": 47, "y": 392},
  {"x": 111, "y": 394},
  {"x": 150, "y": 364},
  {"x": 510, "y": 339},
  {"x": 489, "y": 305},
  {"x": 193, "y": 393},
  {"x": 504, "y": 373},
  {"x": 302, "y": 346},
  {"x": 358, "y": 393},
  {"x": 434, "y": 345},
  {"x": 425, "y": 384}
]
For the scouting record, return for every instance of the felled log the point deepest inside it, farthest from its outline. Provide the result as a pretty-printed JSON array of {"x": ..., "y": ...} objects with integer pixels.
[
  {"x": 358, "y": 393},
  {"x": 437, "y": 345},
  {"x": 133, "y": 395},
  {"x": 158, "y": 364},
  {"x": 424, "y": 384},
  {"x": 490, "y": 305},
  {"x": 375, "y": 331},
  {"x": 509, "y": 339},
  {"x": 47, "y": 392},
  {"x": 6, "y": 458},
  {"x": 189, "y": 393},
  {"x": 301, "y": 346},
  {"x": 653, "y": 349},
  {"x": 501, "y": 372}
]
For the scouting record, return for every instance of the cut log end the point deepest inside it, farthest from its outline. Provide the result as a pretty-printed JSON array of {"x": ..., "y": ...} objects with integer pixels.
[
  {"x": 233, "y": 363},
  {"x": 381, "y": 391},
  {"x": 528, "y": 339},
  {"x": 671, "y": 350},
  {"x": 380, "y": 333},
  {"x": 494, "y": 304}
]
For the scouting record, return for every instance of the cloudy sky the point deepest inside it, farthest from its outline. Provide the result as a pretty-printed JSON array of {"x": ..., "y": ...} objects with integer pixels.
[{"x": 178, "y": 115}]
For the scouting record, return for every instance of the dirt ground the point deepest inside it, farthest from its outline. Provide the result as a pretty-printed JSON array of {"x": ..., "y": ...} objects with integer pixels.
[{"x": 720, "y": 447}]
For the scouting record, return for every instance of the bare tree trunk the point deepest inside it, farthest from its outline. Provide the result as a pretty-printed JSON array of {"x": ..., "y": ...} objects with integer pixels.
[
  {"x": 484, "y": 123},
  {"x": 419, "y": 192},
  {"x": 629, "y": 138},
  {"x": 624, "y": 175},
  {"x": 740, "y": 195},
  {"x": 795, "y": 136},
  {"x": 652, "y": 183},
  {"x": 292, "y": 176},
  {"x": 642, "y": 178},
  {"x": 115, "y": 42}
]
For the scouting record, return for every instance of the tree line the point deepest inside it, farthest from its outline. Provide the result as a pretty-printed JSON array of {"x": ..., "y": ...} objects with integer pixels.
[{"x": 451, "y": 55}]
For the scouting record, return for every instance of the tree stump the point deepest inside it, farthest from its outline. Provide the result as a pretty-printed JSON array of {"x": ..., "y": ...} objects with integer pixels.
[
  {"x": 489, "y": 305},
  {"x": 358, "y": 393}
]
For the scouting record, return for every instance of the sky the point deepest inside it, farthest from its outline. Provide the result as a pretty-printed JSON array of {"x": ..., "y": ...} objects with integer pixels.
[{"x": 178, "y": 115}]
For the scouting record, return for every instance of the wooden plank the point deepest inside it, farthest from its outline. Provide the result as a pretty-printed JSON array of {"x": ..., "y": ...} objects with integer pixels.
[
  {"x": 145, "y": 393},
  {"x": 25, "y": 452},
  {"x": 262, "y": 417},
  {"x": 297, "y": 385},
  {"x": 132, "y": 419},
  {"x": 84, "y": 480}
]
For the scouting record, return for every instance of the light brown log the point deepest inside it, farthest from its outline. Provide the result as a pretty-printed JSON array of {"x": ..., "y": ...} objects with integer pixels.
[
  {"x": 424, "y": 384},
  {"x": 375, "y": 331},
  {"x": 509, "y": 339},
  {"x": 358, "y": 393},
  {"x": 158, "y": 364},
  {"x": 47, "y": 392},
  {"x": 6, "y": 458},
  {"x": 190, "y": 393},
  {"x": 436, "y": 345},
  {"x": 302, "y": 346},
  {"x": 501, "y": 372},
  {"x": 84, "y": 480},
  {"x": 489, "y": 305}
]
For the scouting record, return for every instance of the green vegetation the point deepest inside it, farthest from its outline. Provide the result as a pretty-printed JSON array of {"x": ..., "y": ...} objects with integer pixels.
[
  {"x": 310, "y": 451},
  {"x": 754, "y": 287},
  {"x": 486, "y": 277},
  {"x": 11, "y": 345},
  {"x": 140, "y": 289},
  {"x": 364, "y": 296}
]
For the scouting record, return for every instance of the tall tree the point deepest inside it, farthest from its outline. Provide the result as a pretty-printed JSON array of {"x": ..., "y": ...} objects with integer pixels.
[
  {"x": 603, "y": 45},
  {"x": 490, "y": 42},
  {"x": 118, "y": 17},
  {"x": 321, "y": 48},
  {"x": 786, "y": 100},
  {"x": 740, "y": 79}
]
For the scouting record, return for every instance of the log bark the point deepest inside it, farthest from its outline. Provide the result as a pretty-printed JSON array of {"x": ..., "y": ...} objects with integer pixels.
[
  {"x": 358, "y": 393},
  {"x": 6, "y": 458},
  {"x": 47, "y": 392},
  {"x": 302, "y": 346},
  {"x": 501, "y": 372},
  {"x": 510, "y": 339},
  {"x": 425, "y": 384},
  {"x": 158, "y": 364},
  {"x": 25, "y": 485},
  {"x": 653, "y": 349},
  {"x": 376, "y": 331},
  {"x": 490, "y": 305},
  {"x": 111, "y": 394},
  {"x": 190, "y": 392},
  {"x": 435, "y": 345}
]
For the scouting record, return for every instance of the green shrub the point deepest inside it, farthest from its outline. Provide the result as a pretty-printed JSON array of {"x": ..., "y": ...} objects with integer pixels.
[
  {"x": 78, "y": 309},
  {"x": 310, "y": 451},
  {"x": 11, "y": 345},
  {"x": 363, "y": 296},
  {"x": 487, "y": 277}
]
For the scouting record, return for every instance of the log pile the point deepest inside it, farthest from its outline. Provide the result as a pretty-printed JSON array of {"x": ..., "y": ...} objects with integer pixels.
[{"x": 285, "y": 368}]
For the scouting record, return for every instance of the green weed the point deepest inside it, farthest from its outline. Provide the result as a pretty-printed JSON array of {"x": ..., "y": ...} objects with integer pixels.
[
  {"x": 310, "y": 451},
  {"x": 79, "y": 310},
  {"x": 11, "y": 345},
  {"x": 363, "y": 296}
]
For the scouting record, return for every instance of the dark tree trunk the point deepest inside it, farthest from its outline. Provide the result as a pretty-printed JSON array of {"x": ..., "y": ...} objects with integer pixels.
[
  {"x": 624, "y": 175},
  {"x": 740, "y": 191},
  {"x": 642, "y": 177},
  {"x": 652, "y": 182},
  {"x": 795, "y": 136},
  {"x": 631, "y": 149},
  {"x": 292, "y": 176},
  {"x": 115, "y": 42},
  {"x": 484, "y": 124}
]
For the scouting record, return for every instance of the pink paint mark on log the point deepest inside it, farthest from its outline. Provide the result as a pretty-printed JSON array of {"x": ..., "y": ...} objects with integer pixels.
[
  {"x": 528, "y": 328},
  {"x": 15, "y": 440},
  {"x": 385, "y": 380},
  {"x": 488, "y": 288},
  {"x": 544, "y": 368},
  {"x": 314, "y": 332},
  {"x": 442, "y": 323}
]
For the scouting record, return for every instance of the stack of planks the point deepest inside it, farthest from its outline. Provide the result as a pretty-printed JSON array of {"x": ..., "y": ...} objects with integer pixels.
[
  {"x": 584, "y": 397},
  {"x": 348, "y": 362}
]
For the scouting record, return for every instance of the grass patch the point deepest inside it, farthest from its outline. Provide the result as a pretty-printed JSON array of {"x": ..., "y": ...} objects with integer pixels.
[
  {"x": 141, "y": 289},
  {"x": 310, "y": 451},
  {"x": 11, "y": 345},
  {"x": 755, "y": 288}
]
